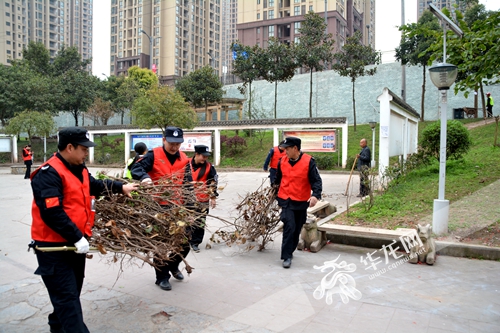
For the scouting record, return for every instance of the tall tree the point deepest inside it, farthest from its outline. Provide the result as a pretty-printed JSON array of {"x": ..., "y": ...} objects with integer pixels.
[
  {"x": 201, "y": 87},
  {"x": 37, "y": 57},
  {"x": 162, "y": 106},
  {"x": 32, "y": 122},
  {"x": 247, "y": 65},
  {"x": 315, "y": 48},
  {"x": 352, "y": 61},
  {"x": 145, "y": 78},
  {"x": 99, "y": 112},
  {"x": 79, "y": 89},
  {"x": 279, "y": 65},
  {"x": 415, "y": 40},
  {"x": 127, "y": 92},
  {"x": 68, "y": 59}
]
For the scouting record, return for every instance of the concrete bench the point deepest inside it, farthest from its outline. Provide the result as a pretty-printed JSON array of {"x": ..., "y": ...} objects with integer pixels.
[{"x": 21, "y": 169}]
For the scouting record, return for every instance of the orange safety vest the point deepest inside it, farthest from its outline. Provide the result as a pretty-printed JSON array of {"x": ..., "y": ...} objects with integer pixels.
[
  {"x": 27, "y": 155},
  {"x": 277, "y": 155},
  {"x": 163, "y": 169},
  {"x": 200, "y": 188},
  {"x": 295, "y": 179},
  {"x": 77, "y": 204}
]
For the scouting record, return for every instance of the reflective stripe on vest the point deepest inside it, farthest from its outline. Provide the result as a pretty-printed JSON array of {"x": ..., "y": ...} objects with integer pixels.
[
  {"x": 76, "y": 204},
  {"x": 200, "y": 185},
  {"x": 295, "y": 179},
  {"x": 173, "y": 172},
  {"x": 277, "y": 155}
]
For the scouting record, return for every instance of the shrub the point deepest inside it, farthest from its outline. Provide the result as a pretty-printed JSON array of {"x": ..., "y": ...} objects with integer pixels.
[
  {"x": 235, "y": 145},
  {"x": 458, "y": 140},
  {"x": 324, "y": 162}
]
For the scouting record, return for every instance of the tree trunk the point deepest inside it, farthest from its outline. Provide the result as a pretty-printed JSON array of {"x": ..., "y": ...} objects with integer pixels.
[
  {"x": 482, "y": 99},
  {"x": 475, "y": 98},
  {"x": 75, "y": 115},
  {"x": 275, "y": 98},
  {"x": 422, "y": 101},
  {"x": 354, "y": 105},
  {"x": 311, "y": 95},
  {"x": 122, "y": 115},
  {"x": 206, "y": 110},
  {"x": 250, "y": 100}
]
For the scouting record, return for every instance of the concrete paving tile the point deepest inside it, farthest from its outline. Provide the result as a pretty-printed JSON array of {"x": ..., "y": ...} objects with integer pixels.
[
  {"x": 252, "y": 317},
  {"x": 362, "y": 324},
  {"x": 482, "y": 327},
  {"x": 438, "y": 330},
  {"x": 372, "y": 311},
  {"x": 323, "y": 328},
  {"x": 409, "y": 321},
  {"x": 337, "y": 319},
  {"x": 444, "y": 322},
  {"x": 222, "y": 310}
]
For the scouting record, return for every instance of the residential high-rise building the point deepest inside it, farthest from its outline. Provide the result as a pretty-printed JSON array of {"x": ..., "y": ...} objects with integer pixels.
[
  {"x": 229, "y": 34},
  {"x": 440, "y": 4},
  {"x": 182, "y": 35},
  {"x": 260, "y": 19},
  {"x": 51, "y": 22}
]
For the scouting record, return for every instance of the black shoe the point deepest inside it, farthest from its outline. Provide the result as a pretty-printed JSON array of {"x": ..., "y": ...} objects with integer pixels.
[
  {"x": 164, "y": 284},
  {"x": 359, "y": 196},
  {"x": 195, "y": 248},
  {"x": 287, "y": 263},
  {"x": 178, "y": 275}
]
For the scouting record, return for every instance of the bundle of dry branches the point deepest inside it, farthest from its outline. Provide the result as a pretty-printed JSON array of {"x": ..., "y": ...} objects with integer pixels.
[
  {"x": 140, "y": 227},
  {"x": 256, "y": 223}
]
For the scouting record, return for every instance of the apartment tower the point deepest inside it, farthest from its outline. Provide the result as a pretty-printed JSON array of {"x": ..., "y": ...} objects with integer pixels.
[
  {"x": 51, "y": 22},
  {"x": 182, "y": 35},
  {"x": 260, "y": 19},
  {"x": 440, "y": 4}
]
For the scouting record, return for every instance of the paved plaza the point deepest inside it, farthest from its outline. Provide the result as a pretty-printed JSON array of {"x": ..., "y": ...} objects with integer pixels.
[{"x": 234, "y": 291}]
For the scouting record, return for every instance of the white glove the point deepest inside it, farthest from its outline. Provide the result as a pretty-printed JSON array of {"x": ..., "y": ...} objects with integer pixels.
[
  {"x": 82, "y": 246},
  {"x": 147, "y": 181}
]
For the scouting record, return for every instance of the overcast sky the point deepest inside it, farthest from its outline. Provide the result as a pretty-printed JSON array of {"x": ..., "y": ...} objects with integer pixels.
[{"x": 387, "y": 20}]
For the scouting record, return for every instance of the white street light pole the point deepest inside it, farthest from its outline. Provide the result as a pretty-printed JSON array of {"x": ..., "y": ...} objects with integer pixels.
[{"x": 442, "y": 75}]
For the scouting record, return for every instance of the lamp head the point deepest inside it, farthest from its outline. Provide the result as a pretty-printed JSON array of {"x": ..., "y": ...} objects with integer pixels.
[
  {"x": 443, "y": 75},
  {"x": 372, "y": 124}
]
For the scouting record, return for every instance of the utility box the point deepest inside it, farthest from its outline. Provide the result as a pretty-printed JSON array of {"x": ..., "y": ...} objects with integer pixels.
[{"x": 458, "y": 113}]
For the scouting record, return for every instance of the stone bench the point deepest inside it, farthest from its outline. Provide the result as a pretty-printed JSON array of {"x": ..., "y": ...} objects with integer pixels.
[{"x": 20, "y": 169}]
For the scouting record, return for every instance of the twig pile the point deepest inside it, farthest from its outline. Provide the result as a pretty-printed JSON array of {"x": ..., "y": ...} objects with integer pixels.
[
  {"x": 140, "y": 227},
  {"x": 257, "y": 221}
]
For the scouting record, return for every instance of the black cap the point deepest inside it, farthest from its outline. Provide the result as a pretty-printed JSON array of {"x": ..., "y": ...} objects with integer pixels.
[
  {"x": 203, "y": 150},
  {"x": 75, "y": 135},
  {"x": 140, "y": 148},
  {"x": 290, "y": 142},
  {"x": 174, "y": 134}
]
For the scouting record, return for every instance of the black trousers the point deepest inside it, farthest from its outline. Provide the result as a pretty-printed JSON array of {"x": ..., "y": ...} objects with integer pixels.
[
  {"x": 63, "y": 274},
  {"x": 272, "y": 175},
  {"x": 293, "y": 220},
  {"x": 163, "y": 271},
  {"x": 489, "y": 109},
  {"x": 28, "y": 169},
  {"x": 197, "y": 231}
]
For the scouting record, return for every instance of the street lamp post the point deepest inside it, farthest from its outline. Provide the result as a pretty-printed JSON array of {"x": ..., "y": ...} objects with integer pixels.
[
  {"x": 150, "y": 49},
  {"x": 373, "y": 124},
  {"x": 442, "y": 75}
]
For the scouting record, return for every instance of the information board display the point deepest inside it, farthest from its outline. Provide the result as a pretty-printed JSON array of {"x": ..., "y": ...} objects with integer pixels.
[{"x": 315, "y": 140}]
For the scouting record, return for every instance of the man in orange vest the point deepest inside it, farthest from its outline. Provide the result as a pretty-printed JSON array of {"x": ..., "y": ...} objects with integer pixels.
[
  {"x": 63, "y": 215},
  {"x": 274, "y": 155},
  {"x": 167, "y": 161},
  {"x": 205, "y": 178},
  {"x": 28, "y": 160},
  {"x": 297, "y": 176}
]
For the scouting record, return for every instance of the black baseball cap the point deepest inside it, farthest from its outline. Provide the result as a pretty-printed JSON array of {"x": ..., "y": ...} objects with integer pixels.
[
  {"x": 290, "y": 142},
  {"x": 174, "y": 134},
  {"x": 203, "y": 150},
  {"x": 75, "y": 135}
]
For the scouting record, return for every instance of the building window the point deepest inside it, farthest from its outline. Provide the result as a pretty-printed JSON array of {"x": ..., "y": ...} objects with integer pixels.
[
  {"x": 296, "y": 27},
  {"x": 271, "y": 31},
  {"x": 271, "y": 14},
  {"x": 258, "y": 16},
  {"x": 271, "y": 3},
  {"x": 296, "y": 10}
]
